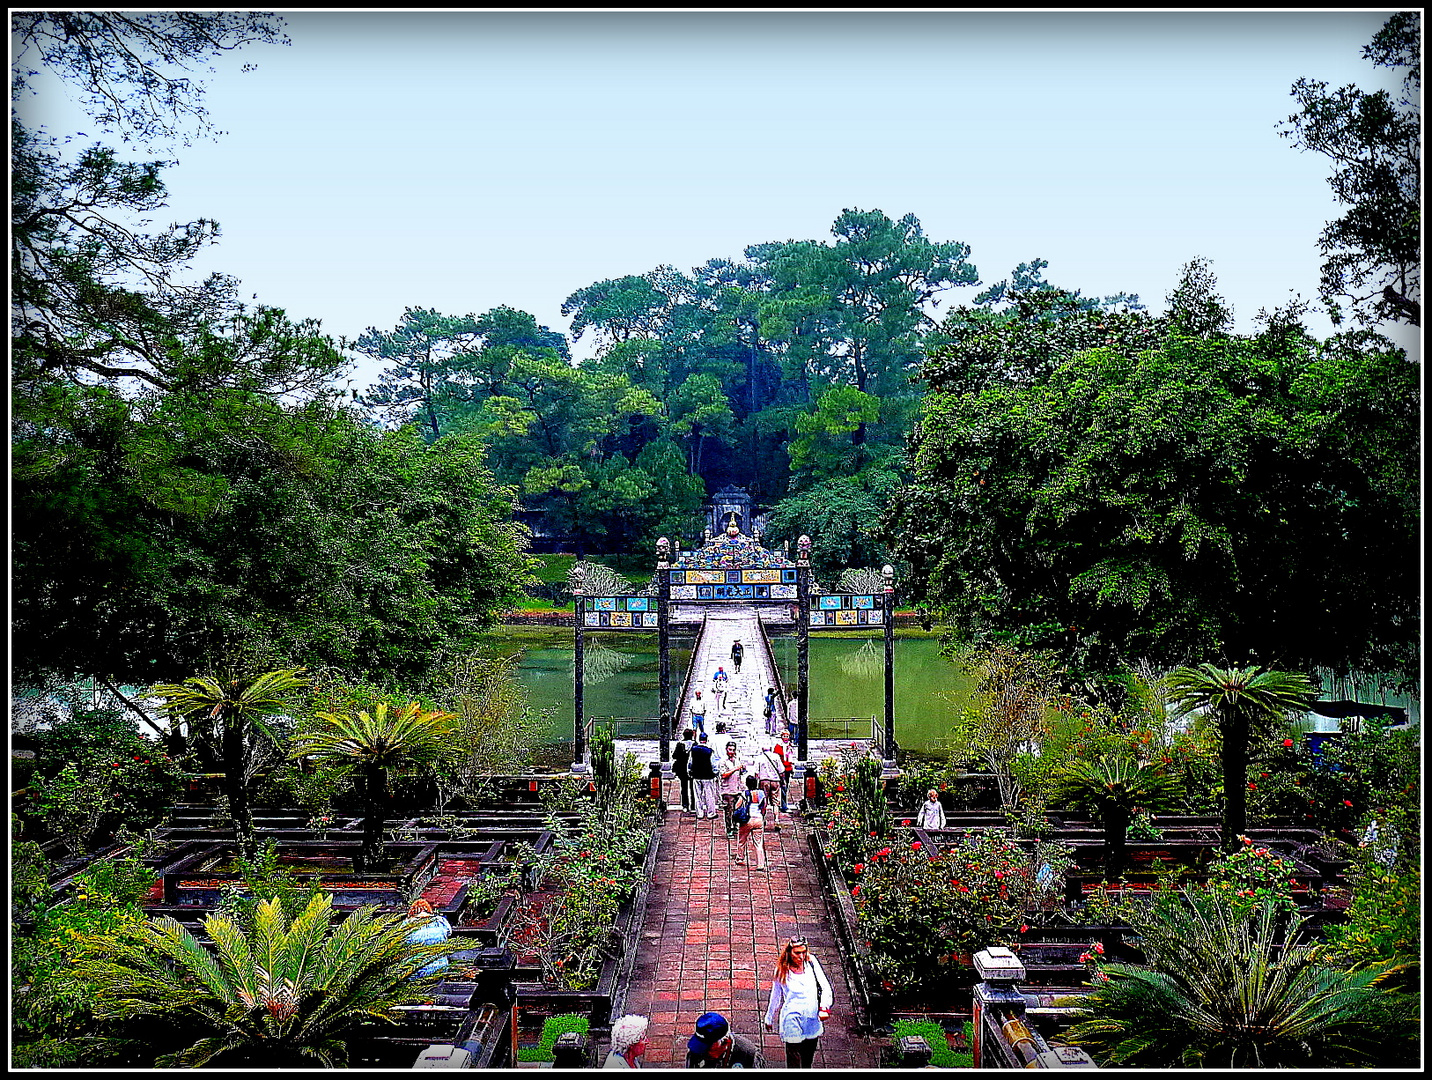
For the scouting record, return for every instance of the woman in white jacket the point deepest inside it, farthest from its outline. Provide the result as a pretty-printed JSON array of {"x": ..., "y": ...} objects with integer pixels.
[
  {"x": 801, "y": 998},
  {"x": 932, "y": 814}
]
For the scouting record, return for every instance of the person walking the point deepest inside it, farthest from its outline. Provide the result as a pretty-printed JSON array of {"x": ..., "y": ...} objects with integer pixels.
[
  {"x": 801, "y": 999},
  {"x": 698, "y": 713},
  {"x": 737, "y": 652},
  {"x": 750, "y": 814},
  {"x": 681, "y": 769},
  {"x": 628, "y": 1043},
  {"x": 733, "y": 779},
  {"x": 430, "y": 928},
  {"x": 769, "y": 770},
  {"x": 786, "y": 751},
  {"x": 771, "y": 706},
  {"x": 932, "y": 814},
  {"x": 703, "y": 778},
  {"x": 719, "y": 682}
]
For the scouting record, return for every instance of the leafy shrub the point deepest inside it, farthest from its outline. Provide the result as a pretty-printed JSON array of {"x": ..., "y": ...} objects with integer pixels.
[
  {"x": 1248, "y": 879},
  {"x": 265, "y": 878},
  {"x": 1384, "y": 922},
  {"x": 941, "y": 1056}
]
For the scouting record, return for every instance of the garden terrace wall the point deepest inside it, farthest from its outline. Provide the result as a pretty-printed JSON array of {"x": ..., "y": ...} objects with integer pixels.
[{"x": 607, "y": 997}]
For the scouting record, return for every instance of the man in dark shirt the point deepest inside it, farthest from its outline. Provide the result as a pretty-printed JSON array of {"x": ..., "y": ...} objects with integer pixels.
[
  {"x": 715, "y": 1047},
  {"x": 703, "y": 776},
  {"x": 737, "y": 651}
]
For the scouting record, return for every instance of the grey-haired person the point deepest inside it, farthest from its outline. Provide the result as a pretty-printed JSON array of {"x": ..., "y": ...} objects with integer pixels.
[{"x": 628, "y": 1043}]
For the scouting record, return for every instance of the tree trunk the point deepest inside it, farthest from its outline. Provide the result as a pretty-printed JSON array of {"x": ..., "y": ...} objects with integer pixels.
[
  {"x": 237, "y": 789},
  {"x": 1234, "y": 730},
  {"x": 1116, "y": 829},
  {"x": 375, "y": 787}
]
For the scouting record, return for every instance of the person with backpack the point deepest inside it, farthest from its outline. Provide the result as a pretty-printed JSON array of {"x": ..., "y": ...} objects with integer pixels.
[
  {"x": 750, "y": 817},
  {"x": 801, "y": 998},
  {"x": 769, "y": 770},
  {"x": 681, "y": 769},
  {"x": 720, "y": 683},
  {"x": 703, "y": 778}
]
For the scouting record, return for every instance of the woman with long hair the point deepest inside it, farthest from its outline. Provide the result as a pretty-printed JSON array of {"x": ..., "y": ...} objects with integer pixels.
[{"x": 801, "y": 998}]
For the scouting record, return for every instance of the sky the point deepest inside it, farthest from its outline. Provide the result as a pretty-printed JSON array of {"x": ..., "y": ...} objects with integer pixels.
[{"x": 467, "y": 160}]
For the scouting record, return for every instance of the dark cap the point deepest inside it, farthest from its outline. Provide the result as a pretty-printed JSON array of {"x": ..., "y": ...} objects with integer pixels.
[{"x": 710, "y": 1028}]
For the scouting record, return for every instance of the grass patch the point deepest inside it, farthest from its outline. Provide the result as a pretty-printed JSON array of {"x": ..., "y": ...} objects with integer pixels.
[
  {"x": 551, "y": 1028},
  {"x": 941, "y": 1056}
]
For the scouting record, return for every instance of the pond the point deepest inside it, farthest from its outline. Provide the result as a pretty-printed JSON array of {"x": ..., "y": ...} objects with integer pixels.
[{"x": 846, "y": 678}]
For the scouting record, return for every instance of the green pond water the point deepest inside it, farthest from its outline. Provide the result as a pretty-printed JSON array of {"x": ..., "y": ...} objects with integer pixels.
[{"x": 846, "y": 679}]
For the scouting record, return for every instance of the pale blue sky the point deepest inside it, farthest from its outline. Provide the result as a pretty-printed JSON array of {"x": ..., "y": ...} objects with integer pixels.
[{"x": 466, "y": 160}]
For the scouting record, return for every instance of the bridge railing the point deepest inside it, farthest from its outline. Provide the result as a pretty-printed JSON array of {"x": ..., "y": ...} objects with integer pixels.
[
  {"x": 780, "y": 686},
  {"x": 846, "y": 727},
  {"x": 686, "y": 681},
  {"x": 625, "y": 727}
]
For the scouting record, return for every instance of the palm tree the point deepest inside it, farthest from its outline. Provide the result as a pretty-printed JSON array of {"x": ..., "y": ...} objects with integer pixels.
[
  {"x": 235, "y": 712},
  {"x": 279, "y": 997},
  {"x": 1115, "y": 788},
  {"x": 1223, "y": 991},
  {"x": 1237, "y": 698},
  {"x": 376, "y": 744}
]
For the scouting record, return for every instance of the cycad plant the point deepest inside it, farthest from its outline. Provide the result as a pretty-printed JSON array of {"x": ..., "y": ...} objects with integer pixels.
[
  {"x": 1237, "y": 699},
  {"x": 1115, "y": 788},
  {"x": 374, "y": 744},
  {"x": 283, "y": 995},
  {"x": 1220, "y": 990},
  {"x": 234, "y": 713}
]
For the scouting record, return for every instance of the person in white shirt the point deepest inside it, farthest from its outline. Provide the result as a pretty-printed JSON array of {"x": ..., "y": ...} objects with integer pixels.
[
  {"x": 932, "y": 814},
  {"x": 801, "y": 998}
]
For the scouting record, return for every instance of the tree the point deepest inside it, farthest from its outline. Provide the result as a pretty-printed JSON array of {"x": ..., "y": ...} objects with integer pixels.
[
  {"x": 233, "y": 714},
  {"x": 283, "y": 995},
  {"x": 127, "y": 65},
  {"x": 1219, "y": 990},
  {"x": 161, "y": 535},
  {"x": 1238, "y": 699},
  {"x": 426, "y": 349},
  {"x": 842, "y": 517},
  {"x": 375, "y": 744},
  {"x": 1115, "y": 788},
  {"x": 1171, "y": 499},
  {"x": 1007, "y": 715},
  {"x": 1372, "y": 255}
]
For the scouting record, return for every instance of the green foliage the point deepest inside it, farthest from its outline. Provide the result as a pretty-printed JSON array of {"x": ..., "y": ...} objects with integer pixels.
[
  {"x": 1371, "y": 772},
  {"x": 1115, "y": 788},
  {"x": 919, "y": 911},
  {"x": 1113, "y": 489},
  {"x": 280, "y": 995},
  {"x": 1223, "y": 990},
  {"x": 94, "y": 773},
  {"x": 54, "y": 1010},
  {"x": 842, "y": 516},
  {"x": 1239, "y": 701},
  {"x": 1251, "y": 878},
  {"x": 265, "y": 878},
  {"x": 1372, "y": 254},
  {"x": 374, "y": 745},
  {"x": 941, "y": 1057},
  {"x": 1008, "y": 712},
  {"x": 1384, "y": 924},
  {"x": 552, "y": 1027}
]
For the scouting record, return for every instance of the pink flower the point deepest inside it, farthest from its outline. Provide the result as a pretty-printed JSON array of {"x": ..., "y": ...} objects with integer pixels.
[{"x": 999, "y": 873}]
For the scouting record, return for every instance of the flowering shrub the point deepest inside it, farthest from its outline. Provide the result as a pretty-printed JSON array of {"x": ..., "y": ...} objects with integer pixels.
[
  {"x": 1249, "y": 878},
  {"x": 920, "y": 912}
]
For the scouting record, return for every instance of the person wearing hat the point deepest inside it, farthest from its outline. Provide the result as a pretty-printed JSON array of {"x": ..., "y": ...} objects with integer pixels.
[
  {"x": 737, "y": 652},
  {"x": 714, "y": 1046},
  {"x": 719, "y": 684},
  {"x": 703, "y": 775}
]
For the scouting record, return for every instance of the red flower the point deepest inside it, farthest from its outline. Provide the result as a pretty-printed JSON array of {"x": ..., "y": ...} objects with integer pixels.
[
  {"x": 999, "y": 873},
  {"x": 1099, "y": 947},
  {"x": 1287, "y": 742},
  {"x": 915, "y": 846},
  {"x": 858, "y": 867},
  {"x": 905, "y": 822},
  {"x": 1024, "y": 929},
  {"x": 1346, "y": 802},
  {"x": 855, "y": 891},
  {"x": 1252, "y": 786}
]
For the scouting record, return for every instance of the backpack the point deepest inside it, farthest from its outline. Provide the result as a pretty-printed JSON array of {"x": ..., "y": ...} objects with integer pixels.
[{"x": 741, "y": 813}]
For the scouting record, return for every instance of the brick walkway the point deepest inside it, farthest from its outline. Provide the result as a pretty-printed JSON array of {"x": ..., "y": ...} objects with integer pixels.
[{"x": 710, "y": 938}]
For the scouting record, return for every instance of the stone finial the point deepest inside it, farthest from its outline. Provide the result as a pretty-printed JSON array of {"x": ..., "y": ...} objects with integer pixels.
[
  {"x": 706, "y": 534},
  {"x": 663, "y": 551},
  {"x": 888, "y": 573},
  {"x": 803, "y": 549},
  {"x": 578, "y": 578}
]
